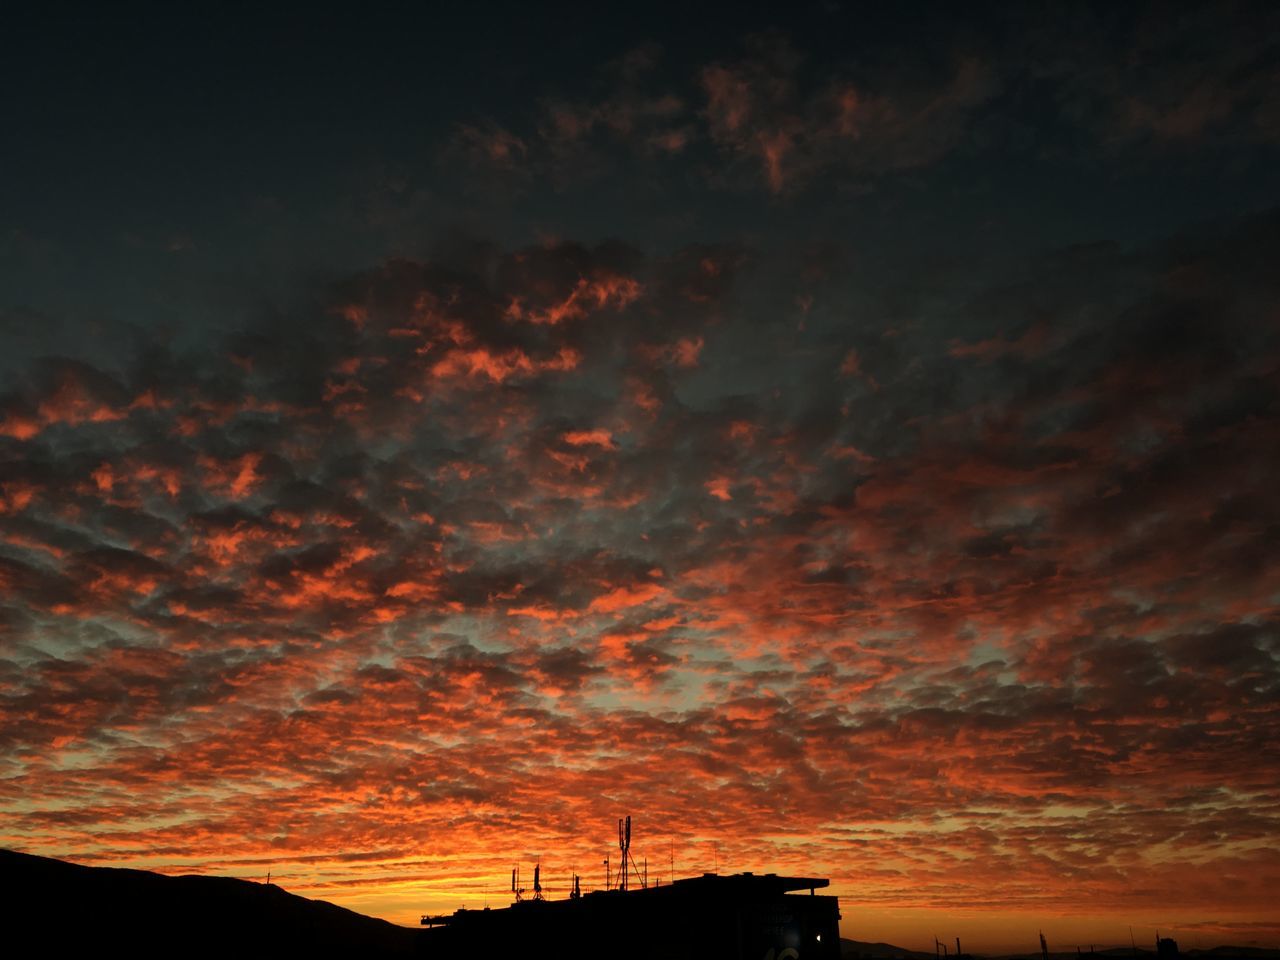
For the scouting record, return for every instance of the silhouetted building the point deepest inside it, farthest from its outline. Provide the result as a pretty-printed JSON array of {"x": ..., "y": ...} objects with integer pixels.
[
  {"x": 1166, "y": 948},
  {"x": 708, "y": 917}
]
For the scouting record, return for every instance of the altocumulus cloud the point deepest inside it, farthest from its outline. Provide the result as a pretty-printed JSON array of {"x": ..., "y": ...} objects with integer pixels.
[{"x": 976, "y": 599}]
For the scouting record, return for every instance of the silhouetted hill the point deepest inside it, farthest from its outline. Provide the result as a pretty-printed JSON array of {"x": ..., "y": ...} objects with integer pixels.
[
  {"x": 879, "y": 951},
  {"x": 64, "y": 909}
]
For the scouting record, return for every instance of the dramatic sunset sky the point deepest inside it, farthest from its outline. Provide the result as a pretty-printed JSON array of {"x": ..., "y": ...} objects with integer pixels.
[{"x": 843, "y": 437}]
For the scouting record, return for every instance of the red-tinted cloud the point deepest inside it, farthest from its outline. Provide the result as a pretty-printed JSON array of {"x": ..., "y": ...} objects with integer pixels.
[{"x": 465, "y": 564}]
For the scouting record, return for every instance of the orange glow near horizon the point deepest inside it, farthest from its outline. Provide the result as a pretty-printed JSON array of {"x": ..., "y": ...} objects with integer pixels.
[{"x": 903, "y": 914}]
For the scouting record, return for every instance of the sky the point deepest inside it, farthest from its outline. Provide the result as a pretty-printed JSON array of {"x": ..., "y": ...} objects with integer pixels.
[{"x": 842, "y": 437}]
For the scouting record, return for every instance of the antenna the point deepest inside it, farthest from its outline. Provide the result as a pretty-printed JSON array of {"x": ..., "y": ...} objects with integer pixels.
[
  {"x": 627, "y": 855},
  {"x": 1044, "y": 947},
  {"x": 623, "y": 877},
  {"x": 624, "y": 845},
  {"x": 537, "y": 881}
]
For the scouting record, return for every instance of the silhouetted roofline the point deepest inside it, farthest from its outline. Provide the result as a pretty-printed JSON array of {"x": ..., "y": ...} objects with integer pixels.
[
  {"x": 768, "y": 883},
  {"x": 708, "y": 886}
]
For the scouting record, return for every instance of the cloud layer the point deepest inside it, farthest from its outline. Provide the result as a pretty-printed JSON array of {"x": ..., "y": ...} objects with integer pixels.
[{"x": 455, "y": 562}]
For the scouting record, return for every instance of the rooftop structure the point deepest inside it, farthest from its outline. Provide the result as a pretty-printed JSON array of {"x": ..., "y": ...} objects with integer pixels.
[{"x": 743, "y": 915}]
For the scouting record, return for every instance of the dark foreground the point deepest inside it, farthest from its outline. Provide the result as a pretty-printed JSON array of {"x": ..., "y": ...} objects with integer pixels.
[{"x": 59, "y": 909}]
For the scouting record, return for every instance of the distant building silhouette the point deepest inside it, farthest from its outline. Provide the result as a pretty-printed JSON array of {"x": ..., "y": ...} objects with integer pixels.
[{"x": 711, "y": 917}]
